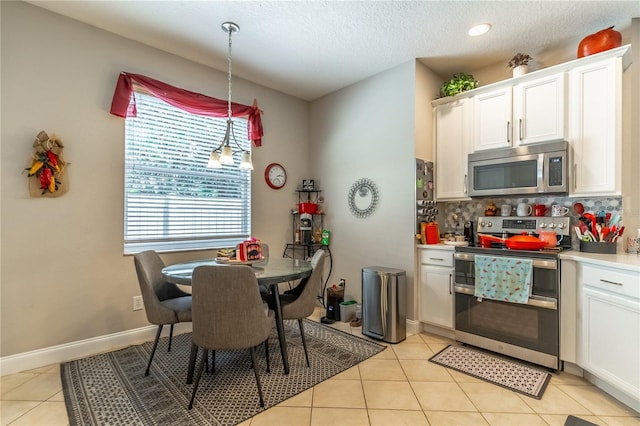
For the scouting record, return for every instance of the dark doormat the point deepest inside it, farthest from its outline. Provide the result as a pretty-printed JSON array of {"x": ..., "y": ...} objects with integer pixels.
[
  {"x": 499, "y": 371},
  {"x": 577, "y": 421}
]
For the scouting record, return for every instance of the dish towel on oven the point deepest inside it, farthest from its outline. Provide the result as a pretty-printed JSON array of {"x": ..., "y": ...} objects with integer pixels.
[{"x": 507, "y": 279}]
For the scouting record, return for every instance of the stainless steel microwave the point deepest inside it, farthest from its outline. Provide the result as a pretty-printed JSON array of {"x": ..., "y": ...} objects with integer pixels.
[{"x": 533, "y": 169}]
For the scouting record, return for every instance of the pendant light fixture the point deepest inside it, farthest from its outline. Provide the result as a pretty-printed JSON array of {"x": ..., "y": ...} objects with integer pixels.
[{"x": 223, "y": 154}]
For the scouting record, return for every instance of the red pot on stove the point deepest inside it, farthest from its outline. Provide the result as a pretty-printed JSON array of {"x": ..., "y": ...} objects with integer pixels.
[{"x": 517, "y": 242}]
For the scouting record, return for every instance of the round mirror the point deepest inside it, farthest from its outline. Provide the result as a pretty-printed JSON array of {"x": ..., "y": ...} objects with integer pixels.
[{"x": 363, "y": 198}]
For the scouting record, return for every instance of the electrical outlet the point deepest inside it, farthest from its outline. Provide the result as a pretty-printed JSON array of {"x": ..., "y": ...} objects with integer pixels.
[{"x": 137, "y": 303}]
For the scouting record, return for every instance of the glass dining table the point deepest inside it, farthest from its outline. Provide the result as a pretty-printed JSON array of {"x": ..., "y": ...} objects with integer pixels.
[{"x": 269, "y": 272}]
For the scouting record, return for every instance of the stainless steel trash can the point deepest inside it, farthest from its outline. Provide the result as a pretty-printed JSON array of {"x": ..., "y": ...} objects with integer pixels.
[{"x": 384, "y": 303}]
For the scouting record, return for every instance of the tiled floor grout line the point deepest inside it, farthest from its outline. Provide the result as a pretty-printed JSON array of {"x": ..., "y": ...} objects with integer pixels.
[
  {"x": 575, "y": 400},
  {"x": 564, "y": 384}
]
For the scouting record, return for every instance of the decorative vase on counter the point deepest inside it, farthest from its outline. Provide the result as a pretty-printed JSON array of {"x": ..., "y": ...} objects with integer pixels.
[{"x": 520, "y": 70}]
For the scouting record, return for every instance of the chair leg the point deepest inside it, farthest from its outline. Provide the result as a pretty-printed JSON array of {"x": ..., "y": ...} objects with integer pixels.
[
  {"x": 266, "y": 354},
  {"x": 153, "y": 351},
  {"x": 255, "y": 370},
  {"x": 170, "y": 337},
  {"x": 304, "y": 341},
  {"x": 213, "y": 362},
  {"x": 192, "y": 363},
  {"x": 205, "y": 355}
]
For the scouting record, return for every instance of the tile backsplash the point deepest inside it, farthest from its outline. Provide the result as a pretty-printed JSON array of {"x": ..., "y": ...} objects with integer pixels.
[{"x": 452, "y": 215}]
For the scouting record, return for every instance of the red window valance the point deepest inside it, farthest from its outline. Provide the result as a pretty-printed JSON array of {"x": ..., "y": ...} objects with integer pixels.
[{"x": 195, "y": 103}]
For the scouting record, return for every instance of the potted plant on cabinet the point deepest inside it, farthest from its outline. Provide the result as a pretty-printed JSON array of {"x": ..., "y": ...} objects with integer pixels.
[
  {"x": 520, "y": 64},
  {"x": 460, "y": 82}
]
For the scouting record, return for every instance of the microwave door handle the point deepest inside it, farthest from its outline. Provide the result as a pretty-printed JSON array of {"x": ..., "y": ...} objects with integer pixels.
[{"x": 543, "y": 170}]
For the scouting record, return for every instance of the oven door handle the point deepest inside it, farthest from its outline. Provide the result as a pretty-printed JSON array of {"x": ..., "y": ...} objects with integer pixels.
[
  {"x": 536, "y": 263},
  {"x": 464, "y": 256},
  {"x": 535, "y": 301}
]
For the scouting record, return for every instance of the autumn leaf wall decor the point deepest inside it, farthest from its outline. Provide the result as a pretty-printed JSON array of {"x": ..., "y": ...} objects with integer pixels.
[{"x": 46, "y": 167}]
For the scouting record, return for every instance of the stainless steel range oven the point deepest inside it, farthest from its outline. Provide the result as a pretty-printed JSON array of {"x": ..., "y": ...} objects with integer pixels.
[{"x": 527, "y": 331}]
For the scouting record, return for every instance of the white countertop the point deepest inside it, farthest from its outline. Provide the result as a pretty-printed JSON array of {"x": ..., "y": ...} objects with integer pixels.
[
  {"x": 625, "y": 261},
  {"x": 436, "y": 246}
]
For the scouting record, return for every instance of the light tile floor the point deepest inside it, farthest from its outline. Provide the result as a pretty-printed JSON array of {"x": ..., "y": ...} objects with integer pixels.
[{"x": 396, "y": 387}]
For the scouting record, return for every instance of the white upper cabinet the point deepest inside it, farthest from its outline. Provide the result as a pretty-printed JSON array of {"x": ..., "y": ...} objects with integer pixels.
[
  {"x": 529, "y": 111},
  {"x": 492, "y": 119},
  {"x": 579, "y": 101},
  {"x": 540, "y": 110},
  {"x": 596, "y": 128},
  {"x": 453, "y": 134}
]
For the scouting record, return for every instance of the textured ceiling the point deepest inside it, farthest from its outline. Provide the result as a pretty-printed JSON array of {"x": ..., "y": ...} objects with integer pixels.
[{"x": 311, "y": 48}]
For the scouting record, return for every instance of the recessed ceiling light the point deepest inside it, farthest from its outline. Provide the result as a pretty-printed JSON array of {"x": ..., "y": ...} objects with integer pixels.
[{"x": 479, "y": 30}]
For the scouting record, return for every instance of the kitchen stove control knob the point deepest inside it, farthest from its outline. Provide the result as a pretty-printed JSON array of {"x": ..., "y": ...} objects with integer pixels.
[
  {"x": 552, "y": 225},
  {"x": 543, "y": 225},
  {"x": 489, "y": 224},
  {"x": 562, "y": 225}
]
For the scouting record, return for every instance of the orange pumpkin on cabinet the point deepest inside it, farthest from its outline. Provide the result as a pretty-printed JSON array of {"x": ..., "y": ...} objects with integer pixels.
[{"x": 599, "y": 42}]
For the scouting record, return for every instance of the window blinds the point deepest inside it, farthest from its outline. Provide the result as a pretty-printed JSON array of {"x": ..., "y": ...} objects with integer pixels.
[{"x": 172, "y": 201}]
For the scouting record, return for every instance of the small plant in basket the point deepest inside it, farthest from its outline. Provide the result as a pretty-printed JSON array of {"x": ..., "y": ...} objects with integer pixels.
[
  {"x": 519, "y": 59},
  {"x": 460, "y": 82}
]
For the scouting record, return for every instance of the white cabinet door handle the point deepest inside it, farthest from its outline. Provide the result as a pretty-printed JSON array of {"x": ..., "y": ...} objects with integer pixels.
[
  {"x": 520, "y": 129},
  {"x": 611, "y": 282}
]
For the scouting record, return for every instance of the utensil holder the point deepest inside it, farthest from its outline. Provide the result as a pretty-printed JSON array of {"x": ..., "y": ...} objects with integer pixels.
[{"x": 598, "y": 247}]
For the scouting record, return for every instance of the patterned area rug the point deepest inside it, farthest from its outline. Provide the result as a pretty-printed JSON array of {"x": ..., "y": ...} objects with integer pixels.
[
  {"x": 516, "y": 377},
  {"x": 111, "y": 389}
]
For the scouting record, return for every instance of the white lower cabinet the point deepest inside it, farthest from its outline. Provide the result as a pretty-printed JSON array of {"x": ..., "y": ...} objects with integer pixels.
[
  {"x": 436, "y": 287},
  {"x": 609, "y": 342}
]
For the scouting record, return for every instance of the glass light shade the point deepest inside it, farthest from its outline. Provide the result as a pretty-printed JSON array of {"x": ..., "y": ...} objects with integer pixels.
[
  {"x": 479, "y": 30},
  {"x": 227, "y": 155},
  {"x": 245, "y": 163},
  {"x": 214, "y": 161}
]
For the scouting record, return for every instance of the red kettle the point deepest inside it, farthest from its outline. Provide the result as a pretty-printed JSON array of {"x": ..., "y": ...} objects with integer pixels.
[{"x": 549, "y": 237}]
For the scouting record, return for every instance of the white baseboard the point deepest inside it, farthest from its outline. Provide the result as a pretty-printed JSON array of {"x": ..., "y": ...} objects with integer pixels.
[
  {"x": 572, "y": 368},
  {"x": 83, "y": 348},
  {"x": 413, "y": 327},
  {"x": 438, "y": 331},
  {"x": 630, "y": 401}
]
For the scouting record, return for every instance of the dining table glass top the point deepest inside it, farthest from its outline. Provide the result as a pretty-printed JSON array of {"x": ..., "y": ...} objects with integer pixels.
[{"x": 268, "y": 272}]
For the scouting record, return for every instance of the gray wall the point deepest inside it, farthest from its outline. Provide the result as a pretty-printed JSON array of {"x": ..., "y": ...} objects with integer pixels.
[
  {"x": 368, "y": 130},
  {"x": 63, "y": 275}
]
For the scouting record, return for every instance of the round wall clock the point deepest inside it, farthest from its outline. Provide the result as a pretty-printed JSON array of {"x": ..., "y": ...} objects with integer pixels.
[{"x": 275, "y": 175}]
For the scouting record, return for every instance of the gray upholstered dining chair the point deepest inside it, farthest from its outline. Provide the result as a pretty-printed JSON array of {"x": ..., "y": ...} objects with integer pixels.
[
  {"x": 300, "y": 306},
  {"x": 224, "y": 321},
  {"x": 297, "y": 290},
  {"x": 164, "y": 302}
]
